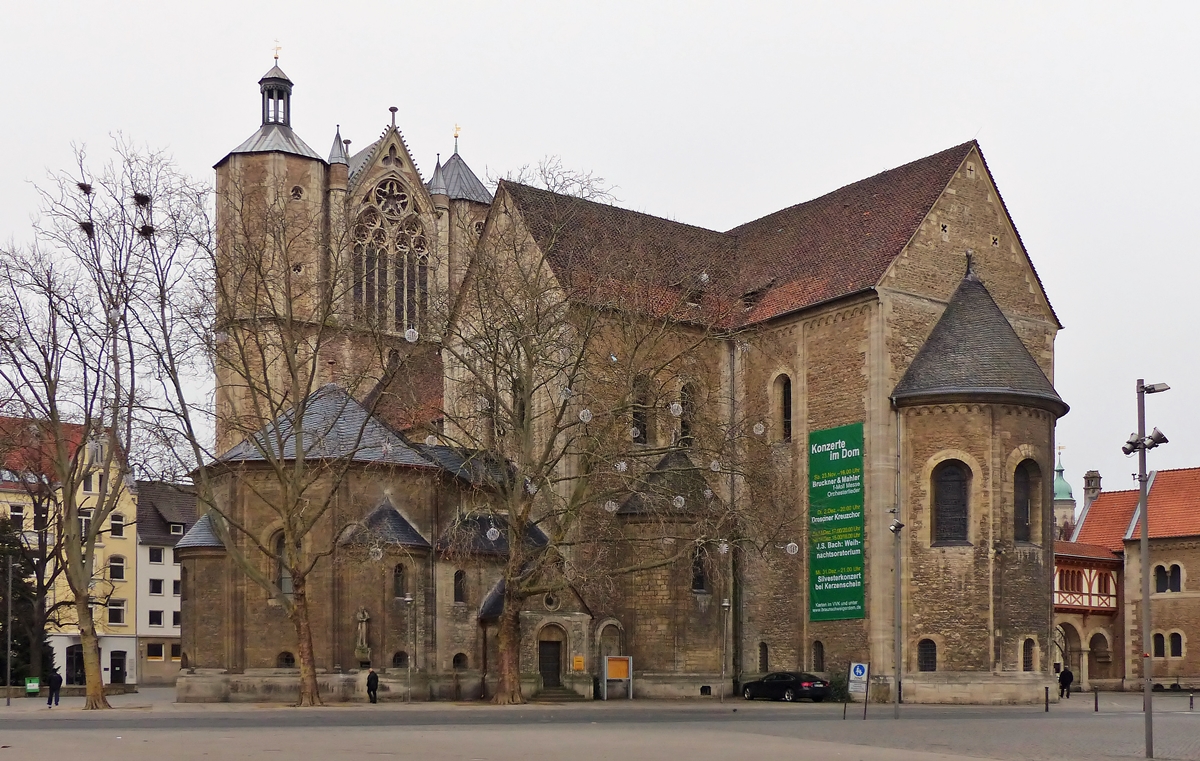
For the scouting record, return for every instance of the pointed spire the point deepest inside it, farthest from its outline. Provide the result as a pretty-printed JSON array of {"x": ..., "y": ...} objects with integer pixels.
[
  {"x": 337, "y": 154},
  {"x": 437, "y": 183},
  {"x": 1062, "y": 489}
]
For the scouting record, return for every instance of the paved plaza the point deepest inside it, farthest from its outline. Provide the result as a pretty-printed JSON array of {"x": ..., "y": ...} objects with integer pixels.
[{"x": 149, "y": 726}]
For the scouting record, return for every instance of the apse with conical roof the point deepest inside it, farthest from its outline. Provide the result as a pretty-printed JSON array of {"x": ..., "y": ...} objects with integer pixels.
[{"x": 973, "y": 352}]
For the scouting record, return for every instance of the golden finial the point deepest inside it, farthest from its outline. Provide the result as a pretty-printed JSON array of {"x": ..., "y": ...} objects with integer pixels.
[
  {"x": 277, "y": 48},
  {"x": 456, "y": 131}
]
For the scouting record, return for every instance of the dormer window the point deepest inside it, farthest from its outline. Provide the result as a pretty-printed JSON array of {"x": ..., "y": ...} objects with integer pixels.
[{"x": 177, "y": 529}]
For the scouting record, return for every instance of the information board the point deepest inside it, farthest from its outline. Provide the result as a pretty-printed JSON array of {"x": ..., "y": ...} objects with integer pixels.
[{"x": 835, "y": 515}]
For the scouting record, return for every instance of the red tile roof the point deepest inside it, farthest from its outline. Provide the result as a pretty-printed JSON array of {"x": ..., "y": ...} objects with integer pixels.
[
  {"x": 1174, "y": 511},
  {"x": 1105, "y": 521},
  {"x": 844, "y": 241},
  {"x": 1080, "y": 550},
  {"x": 817, "y": 251},
  {"x": 1174, "y": 504},
  {"x": 27, "y": 446}
]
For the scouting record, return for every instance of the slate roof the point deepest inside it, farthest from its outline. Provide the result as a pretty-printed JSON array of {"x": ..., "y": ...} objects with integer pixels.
[
  {"x": 493, "y": 602},
  {"x": 477, "y": 467},
  {"x": 675, "y": 475},
  {"x": 385, "y": 524},
  {"x": 1085, "y": 551},
  {"x": 336, "y": 426},
  {"x": 200, "y": 535},
  {"x": 1173, "y": 504},
  {"x": 461, "y": 183},
  {"x": 974, "y": 349},
  {"x": 437, "y": 183},
  {"x": 274, "y": 137},
  {"x": 275, "y": 73},
  {"x": 1105, "y": 521},
  {"x": 360, "y": 159},
  {"x": 469, "y": 535},
  {"x": 159, "y": 504}
]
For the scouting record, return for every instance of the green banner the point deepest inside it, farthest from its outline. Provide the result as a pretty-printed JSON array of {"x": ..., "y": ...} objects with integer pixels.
[{"x": 835, "y": 523}]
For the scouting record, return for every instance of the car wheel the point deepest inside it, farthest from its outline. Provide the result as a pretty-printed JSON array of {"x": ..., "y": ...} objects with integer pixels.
[
  {"x": 818, "y": 698},
  {"x": 788, "y": 695},
  {"x": 747, "y": 694}
]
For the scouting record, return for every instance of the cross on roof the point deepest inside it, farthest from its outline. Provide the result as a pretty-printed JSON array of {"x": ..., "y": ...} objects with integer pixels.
[{"x": 277, "y": 48}]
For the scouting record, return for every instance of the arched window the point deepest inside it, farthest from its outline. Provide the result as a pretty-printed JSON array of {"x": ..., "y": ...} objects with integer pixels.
[
  {"x": 460, "y": 586},
  {"x": 389, "y": 260},
  {"x": 1160, "y": 646},
  {"x": 1175, "y": 580},
  {"x": 783, "y": 407},
  {"x": 460, "y": 661},
  {"x": 285, "y": 660},
  {"x": 926, "y": 655},
  {"x": 1023, "y": 484},
  {"x": 399, "y": 581},
  {"x": 641, "y": 419},
  {"x": 1104, "y": 584},
  {"x": 116, "y": 568},
  {"x": 400, "y": 660},
  {"x": 699, "y": 570},
  {"x": 1176, "y": 645},
  {"x": 687, "y": 418},
  {"x": 283, "y": 574},
  {"x": 818, "y": 655},
  {"x": 764, "y": 659},
  {"x": 1027, "y": 655},
  {"x": 1161, "y": 583},
  {"x": 950, "y": 487}
]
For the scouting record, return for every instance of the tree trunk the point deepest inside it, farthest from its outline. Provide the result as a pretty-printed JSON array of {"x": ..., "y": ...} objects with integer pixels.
[
  {"x": 91, "y": 655},
  {"x": 508, "y": 672},
  {"x": 37, "y": 633},
  {"x": 309, "y": 693}
]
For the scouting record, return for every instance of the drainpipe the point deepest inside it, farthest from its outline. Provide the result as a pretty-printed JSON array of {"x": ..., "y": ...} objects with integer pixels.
[{"x": 736, "y": 570}]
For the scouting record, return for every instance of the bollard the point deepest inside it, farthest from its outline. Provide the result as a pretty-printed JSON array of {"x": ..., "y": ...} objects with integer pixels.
[
  {"x": 1047, "y": 700},
  {"x": 1096, "y": 695},
  {"x": 1191, "y": 700}
]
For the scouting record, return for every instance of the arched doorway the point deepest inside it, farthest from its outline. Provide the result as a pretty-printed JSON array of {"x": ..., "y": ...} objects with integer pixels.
[
  {"x": 552, "y": 642},
  {"x": 1099, "y": 657},
  {"x": 1068, "y": 650}
]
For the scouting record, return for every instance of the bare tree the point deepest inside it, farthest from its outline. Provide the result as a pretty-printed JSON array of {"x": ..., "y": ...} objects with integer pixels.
[
  {"x": 67, "y": 362},
  {"x": 587, "y": 379}
]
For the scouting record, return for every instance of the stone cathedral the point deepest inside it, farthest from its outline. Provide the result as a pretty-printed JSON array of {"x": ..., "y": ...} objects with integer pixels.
[{"x": 912, "y": 403}]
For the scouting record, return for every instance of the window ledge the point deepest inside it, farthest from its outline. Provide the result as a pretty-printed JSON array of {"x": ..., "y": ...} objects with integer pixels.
[{"x": 951, "y": 543}]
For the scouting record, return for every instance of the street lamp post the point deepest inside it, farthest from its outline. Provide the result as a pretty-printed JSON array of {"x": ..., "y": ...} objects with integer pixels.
[
  {"x": 408, "y": 599},
  {"x": 1141, "y": 443},
  {"x": 724, "y": 639},
  {"x": 897, "y": 609},
  {"x": 8, "y": 635}
]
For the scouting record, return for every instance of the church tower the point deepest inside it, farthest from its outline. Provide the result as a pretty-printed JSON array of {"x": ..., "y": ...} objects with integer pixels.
[
  {"x": 1064, "y": 504},
  {"x": 272, "y": 267}
]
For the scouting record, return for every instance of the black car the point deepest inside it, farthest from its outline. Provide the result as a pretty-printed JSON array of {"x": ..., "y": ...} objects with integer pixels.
[{"x": 787, "y": 685}]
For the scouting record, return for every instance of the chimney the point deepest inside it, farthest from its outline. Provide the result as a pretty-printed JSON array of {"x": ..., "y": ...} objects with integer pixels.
[{"x": 1091, "y": 487}]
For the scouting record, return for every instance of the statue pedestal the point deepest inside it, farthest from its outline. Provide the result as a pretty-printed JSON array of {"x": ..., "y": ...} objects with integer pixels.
[{"x": 362, "y": 654}]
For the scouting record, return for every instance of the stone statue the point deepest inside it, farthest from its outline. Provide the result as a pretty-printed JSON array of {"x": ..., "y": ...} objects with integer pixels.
[{"x": 361, "y": 649}]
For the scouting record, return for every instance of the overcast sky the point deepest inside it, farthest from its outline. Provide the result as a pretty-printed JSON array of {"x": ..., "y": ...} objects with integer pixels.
[{"x": 711, "y": 114}]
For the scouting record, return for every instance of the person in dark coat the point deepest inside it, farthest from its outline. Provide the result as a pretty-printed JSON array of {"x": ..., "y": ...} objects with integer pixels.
[
  {"x": 1065, "y": 678},
  {"x": 373, "y": 686},
  {"x": 53, "y": 685}
]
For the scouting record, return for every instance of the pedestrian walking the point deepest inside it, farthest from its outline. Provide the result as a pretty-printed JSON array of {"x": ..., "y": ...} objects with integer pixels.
[
  {"x": 53, "y": 685},
  {"x": 1065, "y": 678},
  {"x": 373, "y": 686}
]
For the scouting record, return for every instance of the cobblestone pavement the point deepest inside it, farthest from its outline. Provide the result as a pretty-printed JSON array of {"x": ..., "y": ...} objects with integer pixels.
[{"x": 148, "y": 725}]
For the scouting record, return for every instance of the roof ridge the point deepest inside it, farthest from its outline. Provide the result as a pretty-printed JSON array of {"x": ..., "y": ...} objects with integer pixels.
[
  {"x": 966, "y": 145},
  {"x": 507, "y": 182}
]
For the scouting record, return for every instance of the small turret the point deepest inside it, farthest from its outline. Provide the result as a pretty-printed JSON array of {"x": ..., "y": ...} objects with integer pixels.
[{"x": 1091, "y": 487}]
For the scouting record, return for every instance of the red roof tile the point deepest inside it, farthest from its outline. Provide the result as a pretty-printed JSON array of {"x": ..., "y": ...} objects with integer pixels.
[
  {"x": 823, "y": 249},
  {"x": 1174, "y": 504},
  {"x": 27, "y": 446},
  {"x": 1105, "y": 521},
  {"x": 844, "y": 241},
  {"x": 1080, "y": 550}
]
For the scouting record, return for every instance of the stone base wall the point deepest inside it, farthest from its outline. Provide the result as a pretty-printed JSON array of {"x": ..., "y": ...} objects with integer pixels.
[
  {"x": 671, "y": 686},
  {"x": 1014, "y": 688}
]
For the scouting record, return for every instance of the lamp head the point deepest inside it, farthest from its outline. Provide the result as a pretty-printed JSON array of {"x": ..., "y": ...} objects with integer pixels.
[
  {"x": 896, "y": 526},
  {"x": 1155, "y": 438},
  {"x": 1132, "y": 445},
  {"x": 1156, "y": 388}
]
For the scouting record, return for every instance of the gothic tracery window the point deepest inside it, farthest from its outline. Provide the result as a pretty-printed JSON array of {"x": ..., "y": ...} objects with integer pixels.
[{"x": 390, "y": 260}]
